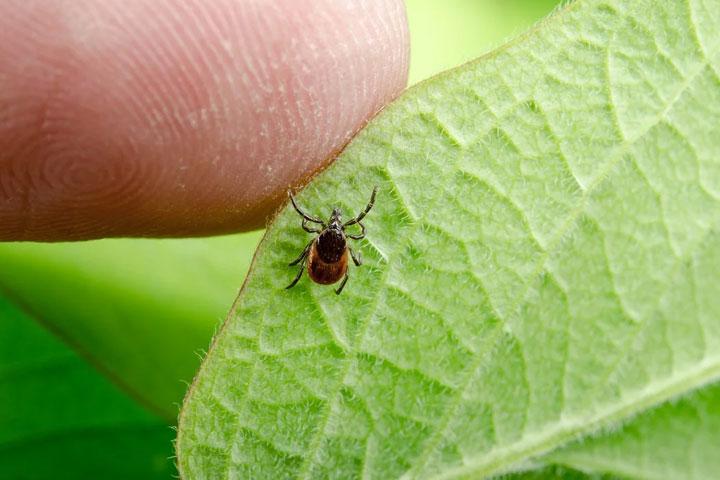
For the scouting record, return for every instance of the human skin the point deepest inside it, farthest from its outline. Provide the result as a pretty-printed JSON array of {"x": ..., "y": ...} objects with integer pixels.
[{"x": 181, "y": 118}]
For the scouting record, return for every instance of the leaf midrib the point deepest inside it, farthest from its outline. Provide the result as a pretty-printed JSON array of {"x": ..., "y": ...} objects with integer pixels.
[{"x": 575, "y": 427}]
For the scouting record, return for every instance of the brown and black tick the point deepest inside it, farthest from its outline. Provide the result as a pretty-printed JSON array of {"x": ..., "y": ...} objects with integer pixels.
[{"x": 326, "y": 255}]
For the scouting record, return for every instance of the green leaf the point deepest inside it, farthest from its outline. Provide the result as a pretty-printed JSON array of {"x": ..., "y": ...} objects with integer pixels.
[
  {"x": 541, "y": 265},
  {"x": 61, "y": 419},
  {"x": 140, "y": 310},
  {"x": 555, "y": 472},
  {"x": 675, "y": 440}
]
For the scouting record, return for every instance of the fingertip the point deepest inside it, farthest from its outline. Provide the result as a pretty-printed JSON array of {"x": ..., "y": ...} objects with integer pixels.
[{"x": 159, "y": 118}]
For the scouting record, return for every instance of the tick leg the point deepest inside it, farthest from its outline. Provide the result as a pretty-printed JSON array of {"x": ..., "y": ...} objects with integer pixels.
[
  {"x": 359, "y": 236},
  {"x": 356, "y": 259},
  {"x": 305, "y": 216},
  {"x": 364, "y": 212},
  {"x": 297, "y": 277},
  {"x": 342, "y": 284},
  {"x": 302, "y": 255},
  {"x": 308, "y": 229}
]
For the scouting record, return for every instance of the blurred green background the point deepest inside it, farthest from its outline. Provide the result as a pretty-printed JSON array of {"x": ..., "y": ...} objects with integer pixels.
[{"x": 98, "y": 340}]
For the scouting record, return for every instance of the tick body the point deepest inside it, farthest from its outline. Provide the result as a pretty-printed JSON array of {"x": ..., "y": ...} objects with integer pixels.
[{"x": 328, "y": 254}]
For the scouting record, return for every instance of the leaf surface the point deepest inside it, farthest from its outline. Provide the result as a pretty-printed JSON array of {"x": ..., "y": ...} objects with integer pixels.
[
  {"x": 61, "y": 419},
  {"x": 140, "y": 310},
  {"x": 541, "y": 264}
]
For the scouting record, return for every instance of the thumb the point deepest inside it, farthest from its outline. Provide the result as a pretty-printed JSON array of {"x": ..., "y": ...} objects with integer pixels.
[{"x": 164, "y": 118}]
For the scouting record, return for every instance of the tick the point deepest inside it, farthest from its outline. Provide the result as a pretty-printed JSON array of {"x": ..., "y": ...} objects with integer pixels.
[{"x": 326, "y": 255}]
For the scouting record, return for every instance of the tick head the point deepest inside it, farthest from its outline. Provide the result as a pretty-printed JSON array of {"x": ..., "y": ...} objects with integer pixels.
[{"x": 336, "y": 217}]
